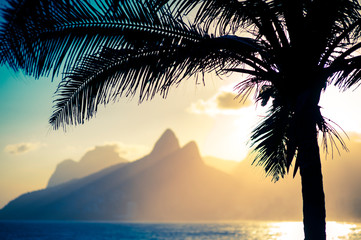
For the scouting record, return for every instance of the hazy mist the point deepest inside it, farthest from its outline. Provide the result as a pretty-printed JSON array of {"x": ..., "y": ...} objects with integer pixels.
[{"x": 175, "y": 183}]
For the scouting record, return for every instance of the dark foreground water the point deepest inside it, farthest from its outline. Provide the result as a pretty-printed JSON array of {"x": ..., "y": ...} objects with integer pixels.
[{"x": 15, "y": 230}]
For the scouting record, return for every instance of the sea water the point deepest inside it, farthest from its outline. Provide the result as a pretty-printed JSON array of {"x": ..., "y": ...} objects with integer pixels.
[{"x": 54, "y": 230}]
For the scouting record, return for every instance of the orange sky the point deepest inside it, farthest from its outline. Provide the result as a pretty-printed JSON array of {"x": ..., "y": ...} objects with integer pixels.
[{"x": 30, "y": 150}]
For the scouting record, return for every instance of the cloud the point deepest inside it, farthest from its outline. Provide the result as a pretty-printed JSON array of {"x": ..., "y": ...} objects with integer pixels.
[
  {"x": 129, "y": 151},
  {"x": 225, "y": 102},
  {"x": 228, "y": 100},
  {"x": 22, "y": 148}
]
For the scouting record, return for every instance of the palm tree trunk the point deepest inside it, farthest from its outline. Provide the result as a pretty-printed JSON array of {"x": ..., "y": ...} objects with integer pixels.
[{"x": 314, "y": 212}]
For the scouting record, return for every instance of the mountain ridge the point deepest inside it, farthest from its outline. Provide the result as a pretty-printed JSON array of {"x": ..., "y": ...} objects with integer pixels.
[
  {"x": 169, "y": 184},
  {"x": 177, "y": 184},
  {"x": 92, "y": 161},
  {"x": 166, "y": 144}
]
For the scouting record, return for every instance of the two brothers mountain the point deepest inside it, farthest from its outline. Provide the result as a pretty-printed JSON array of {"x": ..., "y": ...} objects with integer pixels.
[{"x": 171, "y": 183}]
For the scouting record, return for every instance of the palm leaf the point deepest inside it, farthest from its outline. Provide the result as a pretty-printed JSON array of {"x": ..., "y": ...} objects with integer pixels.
[
  {"x": 146, "y": 71},
  {"x": 347, "y": 73},
  {"x": 153, "y": 50},
  {"x": 273, "y": 142},
  {"x": 276, "y": 140},
  {"x": 112, "y": 48},
  {"x": 227, "y": 17},
  {"x": 44, "y": 36}
]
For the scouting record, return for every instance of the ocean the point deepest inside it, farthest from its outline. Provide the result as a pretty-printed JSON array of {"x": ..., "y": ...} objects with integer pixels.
[{"x": 54, "y": 230}]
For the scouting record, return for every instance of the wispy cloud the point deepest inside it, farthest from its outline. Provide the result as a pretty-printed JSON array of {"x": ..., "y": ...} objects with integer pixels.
[
  {"x": 22, "y": 148},
  {"x": 129, "y": 151},
  {"x": 225, "y": 102}
]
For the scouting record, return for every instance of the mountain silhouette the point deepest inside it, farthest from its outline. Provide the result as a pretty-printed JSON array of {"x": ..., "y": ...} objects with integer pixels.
[
  {"x": 93, "y": 161},
  {"x": 165, "y": 145},
  {"x": 170, "y": 184},
  {"x": 174, "y": 183}
]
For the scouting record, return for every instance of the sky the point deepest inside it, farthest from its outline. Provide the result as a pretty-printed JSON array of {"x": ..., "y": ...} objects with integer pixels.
[
  {"x": 30, "y": 149},
  {"x": 209, "y": 115}
]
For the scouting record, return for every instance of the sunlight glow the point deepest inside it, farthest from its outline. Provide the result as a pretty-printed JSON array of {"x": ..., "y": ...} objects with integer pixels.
[
  {"x": 287, "y": 230},
  {"x": 342, "y": 108},
  {"x": 294, "y": 230},
  {"x": 339, "y": 230}
]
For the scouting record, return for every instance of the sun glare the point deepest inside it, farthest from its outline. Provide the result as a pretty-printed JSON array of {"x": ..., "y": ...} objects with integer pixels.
[
  {"x": 342, "y": 108},
  {"x": 294, "y": 230},
  {"x": 287, "y": 230},
  {"x": 339, "y": 230}
]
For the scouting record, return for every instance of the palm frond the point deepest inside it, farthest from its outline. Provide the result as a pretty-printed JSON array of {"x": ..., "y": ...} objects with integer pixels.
[
  {"x": 346, "y": 73},
  {"x": 44, "y": 36},
  {"x": 111, "y": 48},
  {"x": 331, "y": 138},
  {"x": 258, "y": 17},
  {"x": 318, "y": 21},
  {"x": 146, "y": 71},
  {"x": 276, "y": 139},
  {"x": 273, "y": 144}
]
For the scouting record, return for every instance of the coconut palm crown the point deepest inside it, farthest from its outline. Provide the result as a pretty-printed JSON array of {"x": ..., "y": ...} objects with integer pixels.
[{"x": 290, "y": 51}]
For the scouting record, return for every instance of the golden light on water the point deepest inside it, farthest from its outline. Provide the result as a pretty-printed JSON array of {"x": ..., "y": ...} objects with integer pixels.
[
  {"x": 287, "y": 230},
  {"x": 294, "y": 231}
]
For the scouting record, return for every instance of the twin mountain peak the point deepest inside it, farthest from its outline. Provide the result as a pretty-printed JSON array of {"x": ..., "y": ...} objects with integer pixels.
[
  {"x": 170, "y": 183},
  {"x": 106, "y": 156},
  {"x": 168, "y": 144}
]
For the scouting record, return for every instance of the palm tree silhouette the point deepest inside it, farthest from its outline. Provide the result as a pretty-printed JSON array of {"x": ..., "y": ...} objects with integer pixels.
[{"x": 291, "y": 52}]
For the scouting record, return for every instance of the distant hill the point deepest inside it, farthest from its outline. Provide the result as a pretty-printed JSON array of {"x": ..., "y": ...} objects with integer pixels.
[
  {"x": 93, "y": 161},
  {"x": 173, "y": 183},
  {"x": 169, "y": 184}
]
